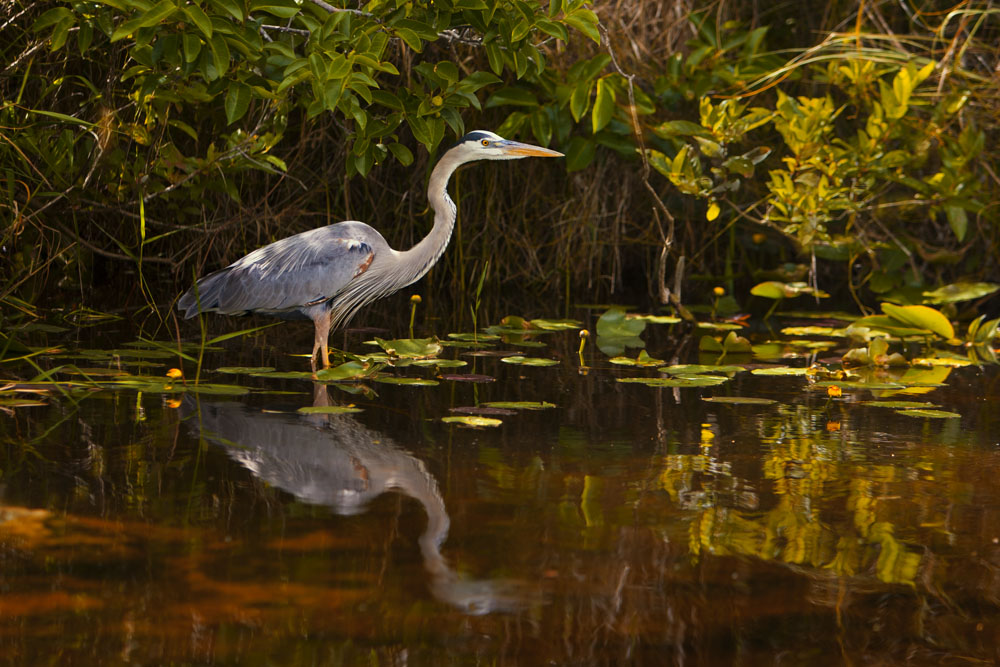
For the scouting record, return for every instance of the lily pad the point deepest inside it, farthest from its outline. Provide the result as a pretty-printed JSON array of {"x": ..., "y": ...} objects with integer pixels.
[
  {"x": 529, "y": 361},
  {"x": 642, "y": 360},
  {"x": 900, "y": 405},
  {"x": 960, "y": 292},
  {"x": 739, "y": 400},
  {"x": 557, "y": 325},
  {"x": 774, "y": 289},
  {"x": 780, "y": 370},
  {"x": 472, "y": 337},
  {"x": 412, "y": 382},
  {"x": 719, "y": 326},
  {"x": 655, "y": 319},
  {"x": 679, "y": 381},
  {"x": 440, "y": 363},
  {"x": 412, "y": 348},
  {"x": 345, "y": 371},
  {"x": 472, "y": 420},
  {"x": 699, "y": 369},
  {"x": 328, "y": 409},
  {"x": 285, "y": 375},
  {"x": 482, "y": 410},
  {"x": 834, "y": 332},
  {"x": 250, "y": 370},
  {"x": 930, "y": 414},
  {"x": 520, "y": 405},
  {"x": 731, "y": 344}
]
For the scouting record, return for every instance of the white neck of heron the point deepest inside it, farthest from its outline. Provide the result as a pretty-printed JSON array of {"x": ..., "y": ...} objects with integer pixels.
[{"x": 419, "y": 259}]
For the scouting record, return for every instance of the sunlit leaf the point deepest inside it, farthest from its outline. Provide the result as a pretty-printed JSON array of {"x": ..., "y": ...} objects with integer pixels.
[
  {"x": 520, "y": 405},
  {"x": 679, "y": 381},
  {"x": 348, "y": 370},
  {"x": 923, "y": 317},
  {"x": 960, "y": 292},
  {"x": 642, "y": 360},
  {"x": 699, "y": 369},
  {"x": 780, "y": 370},
  {"x": 413, "y": 382},
  {"x": 413, "y": 348},
  {"x": 897, "y": 405},
  {"x": 930, "y": 414},
  {"x": 472, "y": 420},
  {"x": 529, "y": 361},
  {"x": 328, "y": 409}
]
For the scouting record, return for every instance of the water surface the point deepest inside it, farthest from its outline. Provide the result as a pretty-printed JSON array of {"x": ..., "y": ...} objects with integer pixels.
[{"x": 627, "y": 525}]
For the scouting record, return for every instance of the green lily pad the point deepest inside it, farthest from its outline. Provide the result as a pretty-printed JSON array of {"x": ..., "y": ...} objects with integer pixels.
[
  {"x": 656, "y": 319},
  {"x": 412, "y": 348},
  {"x": 679, "y": 381},
  {"x": 615, "y": 324},
  {"x": 739, "y": 400},
  {"x": 960, "y": 292},
  {"x": 250, "y": 370},
  {"x": 412, "y": 382},
  {"x": 815, "y": 331},
  {"x": 719, "y": 326},
  {"x": 520, "y": 405},
  {"x": 328, "y": 409},
  {"x": 930, "y": 414},
  {"x": 779, "y": 370},
  {"x": 345, "y": 371},
  {"x": 700, "y": 369},
  {"x": 557, "y": 325},
  {"x": 529, "y": 361},
  {"x": 900, "y": 405},
  {"x": 440, "y": 363},
  {"x": 731, "y": 344},
  {"x": 472, "y": 337},
  {"x": 774, "y": 289},
  {"x": 285, "y": 375},
  {"x": 642, "y": 360},
  {"x": 472, "y": 420}
]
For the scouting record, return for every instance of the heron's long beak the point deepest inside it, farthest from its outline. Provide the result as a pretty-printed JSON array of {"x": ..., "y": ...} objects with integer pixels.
[{"x": 526, "y": 150}]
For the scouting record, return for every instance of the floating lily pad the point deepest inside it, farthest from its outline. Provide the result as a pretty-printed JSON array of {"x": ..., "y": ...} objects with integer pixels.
[
  {"x": 774, "y": 289},
  {"x": 413, "y": 382},
  {"x": 345, "y": 371},
  {"x": 731, "y": 344},
  {"x": 557, "y": 325},
  {"x": 815, "y": 331},
  {"x": 679, "y": 381},
  {"x": 719, "y": 326},
  {"x": 900, "y": 405},
  {"x": 472, "y": 420},
  {"x": 529, "y": 361},
  {"x": 780, "y": 370},
  {"x": 250, "y": 370},
  {"x": 949, "y": 362},
  {"x": 615, "y": 332},
  {"x": 469, "y": 377},
  {"x": 95, "y": 372},
  {"x": 520, "y": 405},
  {"x": 412, "y": 348},
  {"x": 739, "y": 400},
  {"x": 642, "y": 360},
  {"x": 491, "y": 353},
  {"x": 440, "y": 363},
  {"x": 960, "y": 292},
  {"x": 285, "y": 375},
  {"x": 930, "y": 414},
  {"x": 655, "y": 319},
  {"x": 328, "y": 409},
  {"x": 472, "y": 337},
  {"x": 700, "y": 369}
]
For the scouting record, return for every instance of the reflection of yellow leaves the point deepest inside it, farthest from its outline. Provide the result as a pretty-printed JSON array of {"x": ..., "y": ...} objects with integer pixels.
[{"x": 896, "y": 564}]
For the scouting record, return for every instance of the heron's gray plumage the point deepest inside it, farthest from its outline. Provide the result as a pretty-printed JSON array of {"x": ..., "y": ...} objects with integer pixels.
[{"x": 327, "y": 274}]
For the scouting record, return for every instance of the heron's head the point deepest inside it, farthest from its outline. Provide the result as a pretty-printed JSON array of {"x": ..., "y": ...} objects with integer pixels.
[{"x": 483, "y": 145}]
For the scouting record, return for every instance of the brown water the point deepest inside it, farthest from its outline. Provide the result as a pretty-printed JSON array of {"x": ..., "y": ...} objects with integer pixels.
[{"x": 628, "y": 525}]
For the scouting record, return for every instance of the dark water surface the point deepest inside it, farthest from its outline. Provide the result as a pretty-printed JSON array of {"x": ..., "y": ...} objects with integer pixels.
[{"x": 628, "y": 525}]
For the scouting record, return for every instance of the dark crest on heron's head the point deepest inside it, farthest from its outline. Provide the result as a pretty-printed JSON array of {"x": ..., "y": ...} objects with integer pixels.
[{"x": 476, "y": 136}]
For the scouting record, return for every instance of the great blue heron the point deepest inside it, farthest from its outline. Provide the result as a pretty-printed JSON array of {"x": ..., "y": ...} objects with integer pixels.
[{"x": 327, "y": 274}]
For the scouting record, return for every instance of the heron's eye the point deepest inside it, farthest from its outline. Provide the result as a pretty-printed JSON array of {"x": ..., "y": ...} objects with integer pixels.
[{"x": 485, "y": 142}]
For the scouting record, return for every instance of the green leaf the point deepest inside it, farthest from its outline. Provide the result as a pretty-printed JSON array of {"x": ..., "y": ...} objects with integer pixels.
[
  {"x": 958, "y": 220},
  {"x": 198, "y": 17},
  {"x": 52, "y": 17},
  {"x": 579, "y": 101},
  {"x": 220, "y": 54},
  {"x": 585, "y": 21},
  {"x": 401, "y": 153},
  {"x": 472, "y": 420},
  {"x": 923, "y": 317},
  {"x": 769, "y": 290},
  {"x": 960, "y": 292},
  {"x": 237, "y": 101},
  {"x": 345, "y": 371},
  {"x": 512, "y": 96},
  {"x": 146, "y": 19},
  {"x": 231, "y": 7},
  {"x": 604, "y": 105}
]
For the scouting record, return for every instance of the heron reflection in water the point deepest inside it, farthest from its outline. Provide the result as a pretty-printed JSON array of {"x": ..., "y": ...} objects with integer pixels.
[
  {"x": 335, "y": 461},
  {"x": 327, "y": 274}
]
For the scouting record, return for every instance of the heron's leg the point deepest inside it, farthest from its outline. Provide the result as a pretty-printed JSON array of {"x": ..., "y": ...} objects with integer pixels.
[{"x": 320, "y": 344}]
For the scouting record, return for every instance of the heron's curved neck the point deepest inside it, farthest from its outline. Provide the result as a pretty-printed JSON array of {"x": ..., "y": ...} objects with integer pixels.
[{"x": 419, "y": 259}]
